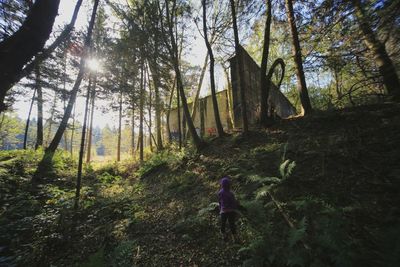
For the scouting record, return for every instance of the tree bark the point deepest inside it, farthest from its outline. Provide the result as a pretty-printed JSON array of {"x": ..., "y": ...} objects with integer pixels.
[
  {"x": 301, "y": 80},
  {"x": 245, "y": 123},
  {"x": 141, "y": 111},
  {"x": 90, "y": 134},
  {"x": 72, "y": 132},
  {"x": 39, "y": 136},
  {"x": 133, "y": 133},
  {"x": 82, "y": 147},
  {"x": 218, "y": 123},
  {"x": 29, "y": 40},
  {"x": 169, "y": 111},
  {"x": 264, "y": 84},
  {"x": 28, "y": 119},
  {"x": 178, "y": 109},
  {"x": 385, "y": 65},
  {"x": 119, "y": 127}
]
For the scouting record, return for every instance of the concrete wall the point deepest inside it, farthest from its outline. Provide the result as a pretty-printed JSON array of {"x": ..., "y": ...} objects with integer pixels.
[
  {"x": 277, "y": 100},
  {"x": 204, "y": 119}
]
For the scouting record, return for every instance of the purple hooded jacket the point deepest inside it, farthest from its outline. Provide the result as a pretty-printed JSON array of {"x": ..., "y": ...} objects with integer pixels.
[{"x": 226, "y": 199}]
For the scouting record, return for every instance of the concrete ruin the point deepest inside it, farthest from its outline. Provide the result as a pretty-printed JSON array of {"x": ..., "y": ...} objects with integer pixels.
[
  {"x": 280, "y": 105},
  {"x": 229, "y": 103}
]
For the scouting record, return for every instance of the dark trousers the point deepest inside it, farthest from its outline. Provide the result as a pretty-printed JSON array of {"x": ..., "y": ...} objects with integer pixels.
[{"x": 230, "y": 217}]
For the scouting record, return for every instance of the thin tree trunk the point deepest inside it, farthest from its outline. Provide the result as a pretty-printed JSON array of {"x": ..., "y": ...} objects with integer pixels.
[
  {"x": 64, "y": 122},
  {"x": 245, "y": 123},
  {"x": 39, "y": 137},
  {"x": 157, "y": 105},
  {"x": 82, "y": 147},
  {"x": 133, "y": 132},
  {"x": 229, "y": 97},
  {"x": 90, "y": 134},
  {"x": 301, "y": 80},
  {"x": 218, "y": 123},
  {"x": 141, "y": 109},
  {"x": 196, "y": 98},
  {"x": 51, "y": 119},
  {"x": 169, "y": 111},
  {"x": 72, "y": 132},
  {"x": 385, "y": 65},
  {"x": 49, "y": 152},
  {"x": 119, "y": 128},
  {"x": 64, "y": 95},
  {"x": 18, "y": 49},
  {"x": 149, "y": 107},
  {"x": 28, "y": 119},
  {"x": 179, "y": 118},
  {"x": 264, "y": 84},
  {"x": 174, "y": 54}
]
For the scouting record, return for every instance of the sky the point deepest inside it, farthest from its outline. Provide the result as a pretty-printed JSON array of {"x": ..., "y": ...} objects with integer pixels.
[{"x": 195, "y": 55}]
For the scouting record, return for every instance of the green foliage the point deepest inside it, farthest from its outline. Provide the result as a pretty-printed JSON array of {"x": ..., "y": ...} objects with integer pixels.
[
  {"x": 122, "y": 255},
  {"x": 106, "y": 178},
  {"x": 164, "y": 158},
  {"x": 184, "y": 182}
]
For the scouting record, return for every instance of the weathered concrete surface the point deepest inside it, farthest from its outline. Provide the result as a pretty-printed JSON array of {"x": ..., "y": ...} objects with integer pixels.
[
  {"x": 252, "y": 71},
  {"x": 204, "y": 120}
]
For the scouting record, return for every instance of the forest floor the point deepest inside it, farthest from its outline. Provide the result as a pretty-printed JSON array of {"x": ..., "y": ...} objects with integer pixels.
[{"x": 334, "y": 175}]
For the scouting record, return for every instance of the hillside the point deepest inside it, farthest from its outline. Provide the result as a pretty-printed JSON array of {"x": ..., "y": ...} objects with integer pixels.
[{"x": 335, "y": 176}]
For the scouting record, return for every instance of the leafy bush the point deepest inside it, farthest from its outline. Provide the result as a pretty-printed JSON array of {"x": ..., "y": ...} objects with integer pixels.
[
  {"x": 107, "y": 178},
  {"x": 166, "y": 158}
]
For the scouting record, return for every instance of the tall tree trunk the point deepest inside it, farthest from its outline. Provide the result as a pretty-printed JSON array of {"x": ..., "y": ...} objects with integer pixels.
[
  {"x": 51, "y": 119},
  {"x": 28, "y": 119},
  {"x": 39, "y": 136},
  {"x": 301, "y": 80},
  {"x": 156, "y": 80},
  {"x": 169, "y": 111},
  {"x": 229, "y": 97},
  {"x": 65, "y": 96},
  {"x": 245, "y": 123},
  {"x": 82, "y": 147},
  {"x": 73, "y": 132},
  {"x": 133, "y": 132},
  {"x": 174, "y": 54},
  {"x": 119, "y": 128},
  {"x": 196, "y": 98},
  {"x": 178, "y": 109},
  {"x": 385, "y": 65},
  {"x": 18, "y": 49},
  {"x": 90, "y": 134},
  {"x": 149, "y": 124},
  {"x": 218, "y": 123},
  {"x": 64, "y": 122},
  {"x": 141, "y": 111},
  {"x": 264, "y": 84},
  {"x": 49, "y": 152}
]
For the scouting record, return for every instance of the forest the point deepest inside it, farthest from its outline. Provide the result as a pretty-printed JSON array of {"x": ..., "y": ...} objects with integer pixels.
[{"x": 132, "y": 132}]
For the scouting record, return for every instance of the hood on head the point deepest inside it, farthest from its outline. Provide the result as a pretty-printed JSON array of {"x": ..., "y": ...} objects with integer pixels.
[{"x": 225, "y": 183}]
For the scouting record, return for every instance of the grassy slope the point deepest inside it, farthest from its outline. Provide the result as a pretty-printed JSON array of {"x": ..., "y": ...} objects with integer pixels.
[{"x": 342, "y": 198}]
